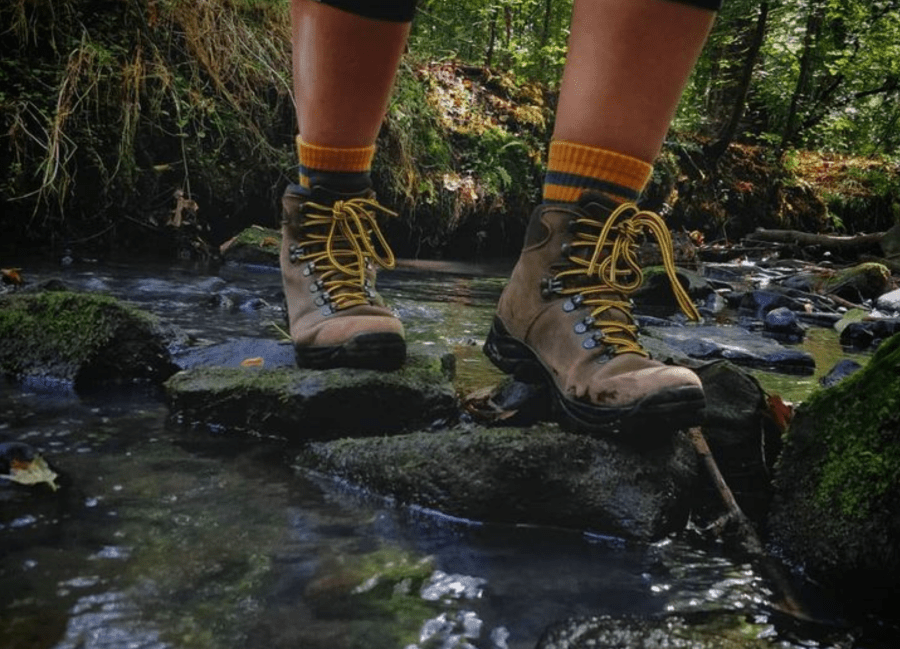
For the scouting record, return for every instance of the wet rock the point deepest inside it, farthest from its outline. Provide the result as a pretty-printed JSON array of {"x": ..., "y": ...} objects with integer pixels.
[
  {"x": 298, "y": 404},
  {"x": 80, "y": 339},
  {"x": 539, "y": 475},
  {"x": 656, "y": 291},
  {"x": 784, "y": 325},
  {"x": 758, "y": 303},
  {"x": 235, "y": 352},
  {"x": 889, "y": 301},
  {"x": 714, "y": 630},
  {"x": 869, "y": 334},
  {"x": 836, "y": 511},
  {"x": 742, "y": 437},
  {"x": 859, "y": 283},
  {"x": 734, "y": 344},
  {"x": 254, "y": 245},
  {"x": 839, "y": 372}
]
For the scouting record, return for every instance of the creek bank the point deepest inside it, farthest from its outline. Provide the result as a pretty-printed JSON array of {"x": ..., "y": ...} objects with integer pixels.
[{"x": 836, "y": 511}]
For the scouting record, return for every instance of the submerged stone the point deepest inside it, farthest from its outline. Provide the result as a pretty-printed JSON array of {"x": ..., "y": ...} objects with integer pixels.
[
  {"x": 80, "y": 339},
  {"x": 703, "y": 630},
  {"x": 836, "y": 510},
  {"x": 302, "y": 404},
  {"x": 735, "y": 344},
  {"x": 539, "y": 475}
]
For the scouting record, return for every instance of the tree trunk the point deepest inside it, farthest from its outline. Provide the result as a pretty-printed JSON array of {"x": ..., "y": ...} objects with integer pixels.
[
  {"x": 717, "y": 148},
  {"x": 813, "y": 26}
]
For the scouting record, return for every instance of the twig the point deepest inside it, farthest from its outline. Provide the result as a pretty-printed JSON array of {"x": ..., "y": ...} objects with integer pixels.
[{"x": 749, "y": 538}]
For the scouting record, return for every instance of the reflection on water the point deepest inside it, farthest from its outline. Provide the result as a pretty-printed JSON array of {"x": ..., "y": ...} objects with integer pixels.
[{"x": 166, "y": 538}]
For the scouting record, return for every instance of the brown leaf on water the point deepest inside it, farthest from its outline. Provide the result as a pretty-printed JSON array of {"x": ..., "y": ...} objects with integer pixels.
[
  {"x": 781, "y": 411},
  {"x": 11, "y": 276}
]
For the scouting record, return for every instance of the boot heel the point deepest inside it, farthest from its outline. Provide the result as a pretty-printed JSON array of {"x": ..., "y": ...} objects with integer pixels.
[{"x": 511, "y": 356}]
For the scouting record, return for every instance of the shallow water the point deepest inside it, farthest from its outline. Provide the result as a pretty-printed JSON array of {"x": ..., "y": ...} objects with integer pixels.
[{"x": 161, "y": 537}]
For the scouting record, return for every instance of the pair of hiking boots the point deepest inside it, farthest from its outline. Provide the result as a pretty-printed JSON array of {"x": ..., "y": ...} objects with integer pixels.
[{"x": 564, "y": 318}]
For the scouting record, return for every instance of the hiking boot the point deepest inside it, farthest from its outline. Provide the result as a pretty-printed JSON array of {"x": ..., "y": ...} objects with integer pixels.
[
  {"x": 330, "y": 245},
  {"x": 565, "y": 317}
]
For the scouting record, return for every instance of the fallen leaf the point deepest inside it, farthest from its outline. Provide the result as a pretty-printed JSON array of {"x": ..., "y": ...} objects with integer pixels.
[
  {"x": 32, "y": 472},
  {"x": 11, "y": 275},
  {"x": 253, "y": 362},
  {"x": 782, "y": 412}
]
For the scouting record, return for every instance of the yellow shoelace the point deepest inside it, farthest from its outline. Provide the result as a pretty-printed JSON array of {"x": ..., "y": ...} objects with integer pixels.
[
  {"x": 343, "y": 237},
  {"x": 619, "y": 271}
]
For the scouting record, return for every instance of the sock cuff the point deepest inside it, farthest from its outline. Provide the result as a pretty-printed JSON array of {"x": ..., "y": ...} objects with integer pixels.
[
  {"x": 575, "y": 168},
  {"x": 335, "y": 159}
]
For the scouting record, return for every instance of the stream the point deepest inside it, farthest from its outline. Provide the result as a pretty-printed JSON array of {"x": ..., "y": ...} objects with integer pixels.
[{"x": 162, "y": 537}]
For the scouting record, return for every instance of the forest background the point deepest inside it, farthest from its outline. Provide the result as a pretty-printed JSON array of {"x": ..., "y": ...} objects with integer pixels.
[{"x": 166, "y": 126}]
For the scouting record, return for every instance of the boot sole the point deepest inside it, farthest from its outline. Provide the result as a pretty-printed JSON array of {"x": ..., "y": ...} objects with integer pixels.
[
  {"x": 374, "y": 351},
  {"x": 666, "y": 410}
]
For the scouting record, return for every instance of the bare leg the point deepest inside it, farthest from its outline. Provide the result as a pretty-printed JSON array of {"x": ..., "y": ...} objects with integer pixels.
[
  {"x": 344, "y": 67},
  {"x": 627, "y": 66}
]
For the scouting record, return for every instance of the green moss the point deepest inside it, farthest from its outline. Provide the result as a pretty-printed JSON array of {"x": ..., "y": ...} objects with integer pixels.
[
  {"x": 58, "y": 327},
  {"x": 858, "y": 423}
]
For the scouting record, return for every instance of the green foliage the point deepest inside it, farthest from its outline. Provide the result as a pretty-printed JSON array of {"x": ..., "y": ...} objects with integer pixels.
[
  {"x": 117, "y": 108},
  {"x": 828, "y": 76},
  {"x": 525, "y": 37}
]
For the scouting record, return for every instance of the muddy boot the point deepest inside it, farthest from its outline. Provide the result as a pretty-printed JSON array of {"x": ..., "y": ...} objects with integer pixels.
[
  {"x": 565, "y": 317},
  {"x": 330, "y": 245}
]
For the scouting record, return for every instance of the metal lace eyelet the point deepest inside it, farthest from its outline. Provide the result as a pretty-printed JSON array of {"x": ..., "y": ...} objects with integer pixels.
[
  {"x": 566, "y": 249},
  {"x": 584, "y": 326},
  {"x": 573, "y": 303},
  {"x": 310, "y": 269},
  {"x": 550, "y": 286},
  {"x": 295, "y": 252},
  {"x": 323, "y": 299}
]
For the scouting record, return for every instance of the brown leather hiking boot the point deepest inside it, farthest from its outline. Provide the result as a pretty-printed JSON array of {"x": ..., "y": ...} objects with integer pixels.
[
  {"x": 330, "y": 245},
  {"x": 565, "y": 316}
]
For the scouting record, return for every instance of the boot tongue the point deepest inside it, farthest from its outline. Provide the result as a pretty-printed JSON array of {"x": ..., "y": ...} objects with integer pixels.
[{"x": 596, "y": 204}]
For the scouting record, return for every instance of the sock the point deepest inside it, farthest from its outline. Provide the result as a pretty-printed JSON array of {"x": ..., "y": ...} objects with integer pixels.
[
  {"x": 338, "y": 169},
  {"x": 573, "y": 169}
]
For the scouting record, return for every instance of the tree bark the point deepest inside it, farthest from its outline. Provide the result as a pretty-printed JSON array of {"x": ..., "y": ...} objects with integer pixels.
[
  {"x": 717, "y": 148},
  {"x": 813, "y": 26}
]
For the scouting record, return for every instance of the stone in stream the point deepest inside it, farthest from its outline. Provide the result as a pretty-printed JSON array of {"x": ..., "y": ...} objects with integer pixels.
[
  {"x": 62, "y": 338},
  {"x": 735, "y": 344},
  {"x": 836, "y": 511},
  {"x": 541, "y": 475},
  {"x": 253, "y": 245},
  {"x": 783, "y": 325},
  {"x": 889, "y": 301},
  {"x": 869, "y": 334},
  {"x": 271, "y": 397}
]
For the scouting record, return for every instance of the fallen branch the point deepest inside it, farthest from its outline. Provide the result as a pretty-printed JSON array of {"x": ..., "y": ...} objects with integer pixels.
[
  {"x": 750, "y": 540},
  {"x": 851, "y": 245}
]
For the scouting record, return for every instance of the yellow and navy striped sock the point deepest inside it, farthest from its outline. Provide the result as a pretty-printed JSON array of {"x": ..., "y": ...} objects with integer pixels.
[
  {"x": 573, "y": 169},
  {"x": 338, "y": 169}
]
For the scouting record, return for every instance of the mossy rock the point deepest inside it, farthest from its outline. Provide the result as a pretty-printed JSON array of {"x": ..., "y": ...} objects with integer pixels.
[
  {"x": 80, "y": 339},
  {"x": 539, "y": 475},
  {"x": 253, "y": 245},
  {"x": 861, "y": 282},
  {"x": 837, "y": 505},
  {"x": 302, "y": 404}
]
